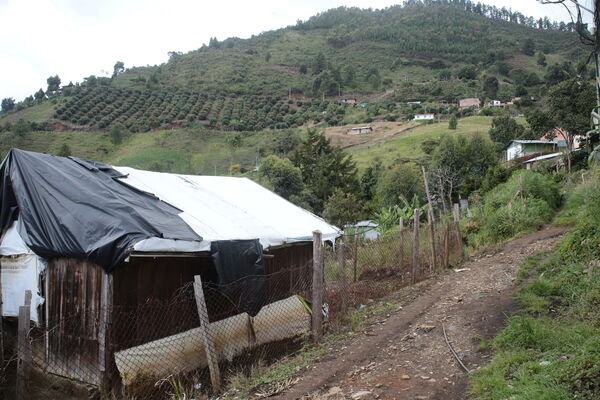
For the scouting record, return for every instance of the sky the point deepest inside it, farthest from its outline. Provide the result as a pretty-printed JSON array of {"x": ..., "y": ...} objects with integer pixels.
[{"x": 78, "y": 38}]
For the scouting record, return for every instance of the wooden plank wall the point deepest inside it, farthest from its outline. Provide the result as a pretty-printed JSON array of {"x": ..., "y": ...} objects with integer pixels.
[
  {"x": 73, "y": 302},
  {"x": 148, "y": 303}
]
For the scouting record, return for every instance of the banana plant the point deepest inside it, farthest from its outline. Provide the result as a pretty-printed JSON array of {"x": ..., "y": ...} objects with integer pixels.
[{"x": 387, "y": 218}]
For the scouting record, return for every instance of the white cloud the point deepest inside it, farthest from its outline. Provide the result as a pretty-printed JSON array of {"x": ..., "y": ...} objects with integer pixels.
[{"x": 77, "y": 38}]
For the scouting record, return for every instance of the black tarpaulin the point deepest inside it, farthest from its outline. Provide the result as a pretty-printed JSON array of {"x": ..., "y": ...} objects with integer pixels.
[
  {"x": 69, "y": 207},
  {"x": 241, "y": 273}
]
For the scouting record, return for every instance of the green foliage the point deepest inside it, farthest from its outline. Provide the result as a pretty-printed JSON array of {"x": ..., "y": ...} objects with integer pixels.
[
  {"x": 342, "y": 208},
  {"x": 388, "y": 217},
  {"x": 284, "y": 177},
  {"x": 541, "y": 59},
  {"x": 8, "y": 104},
  {"x": 529, "y": 47},
  {"x": 570, "y": 105},
  {"x": 116, "y": 134},
  {"x": 504, "y": 129},
  {"x": 550, "y": 350},
  {"x": 404, "y": 181},
  {"x": 39, "y": 95},
  {"x": 459, "y": 164},
  {"x": 53, "y": 84},
  {"x": 490, "y": 87},
  {"x": 522, "y": 204},
  {"x": 118, "y": 68},
  {"x": 64, "y": 151},
  {"x": 453, "y": 122},
  {"x": 324, "y": 168}
]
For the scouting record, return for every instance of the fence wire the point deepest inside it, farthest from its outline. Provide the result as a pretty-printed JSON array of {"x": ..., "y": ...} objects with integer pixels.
[{"x": 160, "y": 349}]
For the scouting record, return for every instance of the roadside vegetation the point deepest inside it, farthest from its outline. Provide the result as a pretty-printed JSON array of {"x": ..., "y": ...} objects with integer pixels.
[{"x": 550, "y": 349}]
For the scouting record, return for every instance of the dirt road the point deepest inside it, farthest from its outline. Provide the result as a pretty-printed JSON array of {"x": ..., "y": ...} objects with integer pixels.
[{"x": 405, "y": 356}]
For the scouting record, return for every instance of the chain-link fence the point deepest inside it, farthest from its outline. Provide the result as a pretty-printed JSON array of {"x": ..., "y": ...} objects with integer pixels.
[{"x": 164, "y": 347}]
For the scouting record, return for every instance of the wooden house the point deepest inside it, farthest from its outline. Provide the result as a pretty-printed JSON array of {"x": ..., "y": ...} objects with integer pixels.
[{"x": 95, "y": 243}]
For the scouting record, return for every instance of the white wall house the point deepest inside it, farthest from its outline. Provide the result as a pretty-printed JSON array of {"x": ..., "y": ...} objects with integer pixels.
[
  {"x": 522, "y": 148},
  {"x": 423, "y": 117}
]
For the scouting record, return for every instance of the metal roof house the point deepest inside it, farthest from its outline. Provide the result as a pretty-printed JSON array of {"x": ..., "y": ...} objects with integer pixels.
[{"x": 523, "y": 148}]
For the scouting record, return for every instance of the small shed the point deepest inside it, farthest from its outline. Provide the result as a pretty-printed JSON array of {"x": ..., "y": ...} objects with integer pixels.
[
  {"x": 348, "y": 100},
  {"x": 359, "y": 130},
  {"x": 367, "y": 229},
  {"x": 91, "y": 241}
]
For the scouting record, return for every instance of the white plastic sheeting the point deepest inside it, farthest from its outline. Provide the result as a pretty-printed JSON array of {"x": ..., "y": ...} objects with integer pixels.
[
  {"x": 185, "y": 351},
  {"x": 12, "y": 243},
  {"x": 20, "y": 273},
  {"x": 226, "y": 208}
]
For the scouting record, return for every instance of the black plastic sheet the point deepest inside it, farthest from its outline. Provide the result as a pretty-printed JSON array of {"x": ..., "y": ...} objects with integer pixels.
[
  {"x": 241, "y": 273},
  {"x": 69, "y": 207}
]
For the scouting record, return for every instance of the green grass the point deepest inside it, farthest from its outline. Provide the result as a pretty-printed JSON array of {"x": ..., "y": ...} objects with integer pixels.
[
  {"x": 408, "y": 145},
  {"x": 551, "y": 348},
  {"x": 38, "y": 113}
]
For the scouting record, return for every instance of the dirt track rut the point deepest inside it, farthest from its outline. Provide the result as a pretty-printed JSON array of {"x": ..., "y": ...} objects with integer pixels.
[{"x": 404, "y": 355}]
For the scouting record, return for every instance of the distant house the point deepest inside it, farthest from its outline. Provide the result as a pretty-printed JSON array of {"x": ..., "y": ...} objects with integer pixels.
[
  {"x": 359, "y": 130},
  {"x": 524, "y": 148},
  {"x": 515, "y": 99},
  {"x": 424, "y": 117},
  {"x": 349, "y": 100},
  {"x": 470, "y": 102},
  {"x": 413, "y": 103},
  {"x": 496, "y": 103},
  {"x": 562, "y": 137},
  {"x": 367, "y": 230}
]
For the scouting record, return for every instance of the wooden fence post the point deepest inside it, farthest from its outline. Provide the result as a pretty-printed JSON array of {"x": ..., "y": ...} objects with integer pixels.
[
  {"x": 106, "y": 296},
  {"x": 430, "y": 223},
  {"x": 317, "y": 287},
  {"x": 401, "y": 252},
  {"x": 207, "y": 336},
  {"x": 447, "y": 246},
  {"x": 342, "y": 275},
  {"x": 355, "y": 254},
  {"x": 24, "y": 348},
  {"x": 458, "y": 236},
  {"x": 1, "y": 330},
  {"x": 432, "y": 266},
  {"x": 415, "y": 246}
]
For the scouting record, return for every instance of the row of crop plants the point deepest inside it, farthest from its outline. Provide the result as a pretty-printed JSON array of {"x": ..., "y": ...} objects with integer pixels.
[{"x": 144, "y": 110}]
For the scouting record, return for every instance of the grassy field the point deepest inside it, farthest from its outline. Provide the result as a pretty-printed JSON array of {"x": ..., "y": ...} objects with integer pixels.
[{"x": 408, "y": 144}]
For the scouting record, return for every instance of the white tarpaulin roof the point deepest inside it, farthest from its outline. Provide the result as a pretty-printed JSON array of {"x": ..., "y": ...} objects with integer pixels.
[{"x": 226, "y": 208}]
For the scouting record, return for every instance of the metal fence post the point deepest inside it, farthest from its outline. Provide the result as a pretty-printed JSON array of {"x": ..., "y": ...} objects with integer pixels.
[{"x": 317, "y": 287}]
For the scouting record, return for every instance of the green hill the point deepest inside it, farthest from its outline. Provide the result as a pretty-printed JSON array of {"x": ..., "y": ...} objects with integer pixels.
[
  {"x": 208, "y": 152},
  {"x": 427, "y": 51}
]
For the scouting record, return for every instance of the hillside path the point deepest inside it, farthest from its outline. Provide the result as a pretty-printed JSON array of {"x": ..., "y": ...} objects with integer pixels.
[{"x": 403, "y": 355}]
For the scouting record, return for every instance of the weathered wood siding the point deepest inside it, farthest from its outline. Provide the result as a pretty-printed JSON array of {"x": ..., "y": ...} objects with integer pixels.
[
  {"x": 152, "y": 298},
  {"x": 73, "y": 302}
]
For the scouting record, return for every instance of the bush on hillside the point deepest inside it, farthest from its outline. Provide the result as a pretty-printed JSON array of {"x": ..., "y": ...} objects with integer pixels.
[{"x": 522, "y": 204}]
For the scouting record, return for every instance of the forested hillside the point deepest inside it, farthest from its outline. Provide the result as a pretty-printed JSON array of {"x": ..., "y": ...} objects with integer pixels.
[{"x": 429, "y": 51}]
